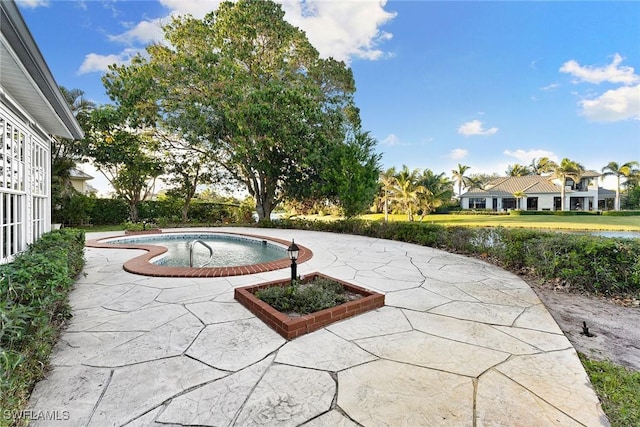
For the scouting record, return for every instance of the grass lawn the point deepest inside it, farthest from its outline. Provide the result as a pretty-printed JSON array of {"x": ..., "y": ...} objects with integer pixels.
[
  {"x": 549, "y": 222},
  {"x": 618, "y": 389}
]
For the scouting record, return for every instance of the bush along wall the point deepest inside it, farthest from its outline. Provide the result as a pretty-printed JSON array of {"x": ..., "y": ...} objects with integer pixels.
[
  {"x": 601, "y": 265},
  {"x": 33, "y": 308}
]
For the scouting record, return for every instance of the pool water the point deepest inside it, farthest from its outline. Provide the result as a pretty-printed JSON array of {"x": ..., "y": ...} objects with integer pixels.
[{"x": 228, "y": 251}]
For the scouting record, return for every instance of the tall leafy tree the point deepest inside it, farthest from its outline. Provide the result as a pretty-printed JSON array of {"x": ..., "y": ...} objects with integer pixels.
[
  {"x": 460, "y": 177},
  {"x": 248, "y": 88},
  {"x": 566, "y": 169},
  {"x": 125, "y": 156},
  {"x": 625, "y": 170},
  {"x": 351, "y": 175},
  {"x": 65, "y": 154}
]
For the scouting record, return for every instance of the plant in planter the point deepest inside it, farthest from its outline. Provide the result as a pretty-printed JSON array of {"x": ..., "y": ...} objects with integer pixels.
[
  {"x": 308, "y": 304},
  {"x": 300, "y": 298}
]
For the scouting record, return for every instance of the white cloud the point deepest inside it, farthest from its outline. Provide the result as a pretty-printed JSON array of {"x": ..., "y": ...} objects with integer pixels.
[
  {"x": 339, "y": 29},
  {"x": 550, "y": 86},
  {"x": 100, "y": 63},
  {"x": 475, "y": 127},
  {"x": 32, "y": 4},
  {"x": 342, "y": 29},
  {"x": 458, "y": 153},
  {"x": 391, "y": 140},
  {"x": 612, "y": 73},
  {"x": 526, "y": 156},
  {"x": 614, "y": 105},
  {"x": 196, "y": 8},
  {"x": 144, "y": 32}
]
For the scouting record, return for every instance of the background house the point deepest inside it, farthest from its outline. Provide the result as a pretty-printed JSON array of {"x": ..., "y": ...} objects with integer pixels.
[
  {"x": 32, "y": 110},
  {"x": 79, "y": 180},
  {"x": 539, "y": 193}
]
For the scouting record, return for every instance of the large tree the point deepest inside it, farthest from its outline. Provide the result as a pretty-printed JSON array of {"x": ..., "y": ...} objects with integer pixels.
[
  {"x": 125, "y": 156},
  {"x": 248, "y": 88},
  {"x": 614, "y": 169}
]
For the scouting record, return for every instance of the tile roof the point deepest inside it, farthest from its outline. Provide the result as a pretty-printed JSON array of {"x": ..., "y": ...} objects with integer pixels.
[{"x": 506, "y": 186}]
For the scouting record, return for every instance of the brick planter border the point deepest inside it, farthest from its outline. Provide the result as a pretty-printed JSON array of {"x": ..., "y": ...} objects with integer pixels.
[
  {"x": 293, "y": 327},
  {"x": 142, "y": 265}
]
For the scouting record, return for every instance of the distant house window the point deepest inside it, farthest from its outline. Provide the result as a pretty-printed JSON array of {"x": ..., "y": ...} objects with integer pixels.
[{"x": 477, "y": 203}]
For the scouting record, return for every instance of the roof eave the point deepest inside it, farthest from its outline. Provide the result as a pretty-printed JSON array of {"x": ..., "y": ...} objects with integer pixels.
[{"x": 15, "y": 30}]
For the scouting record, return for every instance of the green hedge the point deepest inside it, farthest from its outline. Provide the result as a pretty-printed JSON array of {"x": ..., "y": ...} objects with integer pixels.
[
  {"x": 556, "y": 213},
  {"x": 621, "y": 213},
  {"x": 33, "y": 307},
  {"x": 116, "y": 211},
  {"x": 592, "y": 263}
]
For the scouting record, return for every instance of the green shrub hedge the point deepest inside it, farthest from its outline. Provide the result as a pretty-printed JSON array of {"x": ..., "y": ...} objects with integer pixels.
[
  {"x": 591, "y": 263},
  {"x": 621, "y": 213},
  {"x": 33, "y": 307}
]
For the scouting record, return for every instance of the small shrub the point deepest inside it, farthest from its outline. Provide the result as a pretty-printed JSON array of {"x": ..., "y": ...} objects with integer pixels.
[
  {"x": 33, "y": 306},
  {"x": 304, "y": 298}
]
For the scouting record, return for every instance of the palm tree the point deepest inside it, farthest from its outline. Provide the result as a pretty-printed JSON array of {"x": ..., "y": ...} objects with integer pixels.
[
  {"x": 566, "y": 169},
  {"x": 519, "y": 195},
  {"x": 388, "y": 182},
  {"x": 407, "y": 191},
  {"x": 518, "y": 170},
  {"x": 625, "y": 170},
  {"x": 542, "y": 165},
  {"x": 438, "y": 191},
  {"x": 458, "y": 175}
]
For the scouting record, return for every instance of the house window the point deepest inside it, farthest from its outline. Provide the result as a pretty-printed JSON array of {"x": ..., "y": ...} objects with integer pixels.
[
  {"x": 477, "y": 203},
  {"x": 532, "y": 203},
  {"x": 509, "y": 203},
  {"x": 39, "y": 188}
]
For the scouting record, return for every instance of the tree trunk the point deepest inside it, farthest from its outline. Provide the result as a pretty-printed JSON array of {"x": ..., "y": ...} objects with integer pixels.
[
  {"x": 133, "y": 211},
  {"x": 185, "y": 209},
  {"x": 264, "y": 206}
]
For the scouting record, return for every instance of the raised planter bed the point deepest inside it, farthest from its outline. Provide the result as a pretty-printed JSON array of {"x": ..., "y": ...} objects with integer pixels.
[{"x": 292, "y": 327}]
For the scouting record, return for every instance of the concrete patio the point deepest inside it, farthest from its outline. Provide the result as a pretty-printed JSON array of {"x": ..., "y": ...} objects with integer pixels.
[{"x": 460, "y": 342}]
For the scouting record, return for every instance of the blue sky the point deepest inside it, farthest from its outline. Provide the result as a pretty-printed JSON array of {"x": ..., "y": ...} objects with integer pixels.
[{"x": 484, "y": 84}]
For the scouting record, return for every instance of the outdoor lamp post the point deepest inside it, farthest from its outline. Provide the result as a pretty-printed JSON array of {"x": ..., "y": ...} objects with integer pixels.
[{"x": 293, "y": 251}]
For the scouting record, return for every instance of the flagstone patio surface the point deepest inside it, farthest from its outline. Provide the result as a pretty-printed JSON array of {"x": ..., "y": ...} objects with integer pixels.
[{"x": 460, "y": 342}]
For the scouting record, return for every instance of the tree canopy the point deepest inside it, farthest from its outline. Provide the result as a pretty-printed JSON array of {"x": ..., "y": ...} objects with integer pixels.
[{"x": 248, "y": 89}]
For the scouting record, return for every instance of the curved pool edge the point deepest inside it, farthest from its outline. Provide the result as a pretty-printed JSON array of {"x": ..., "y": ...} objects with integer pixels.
[{"x": 142, "y": 264}]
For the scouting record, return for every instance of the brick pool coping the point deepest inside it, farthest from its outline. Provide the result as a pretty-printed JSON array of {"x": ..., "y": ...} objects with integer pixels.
[
  {"x": 293, "y": 327},
  {"x": 142, "y": 265}
]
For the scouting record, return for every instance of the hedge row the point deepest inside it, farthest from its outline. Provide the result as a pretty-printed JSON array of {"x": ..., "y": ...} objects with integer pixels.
[
  {"x": 592, "y": 263},
  {"x": 517, "y": 212},
  {"x": 116, "y": 211},
  {"x": 33, "y": 307},
  {"x": 621, "y": 213}
]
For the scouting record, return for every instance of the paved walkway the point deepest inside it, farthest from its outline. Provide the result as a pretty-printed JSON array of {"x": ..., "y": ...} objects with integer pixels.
[{"x": 459, "y": 342}]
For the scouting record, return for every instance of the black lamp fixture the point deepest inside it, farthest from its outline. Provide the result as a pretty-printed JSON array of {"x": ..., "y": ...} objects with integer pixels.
[{"x": 293, "y": 250}]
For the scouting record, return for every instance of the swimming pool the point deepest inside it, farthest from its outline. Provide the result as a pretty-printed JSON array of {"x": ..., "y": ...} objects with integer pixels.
[
  {"x": 192, "y": 249},
  {"x": 232, "y": 254}
]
